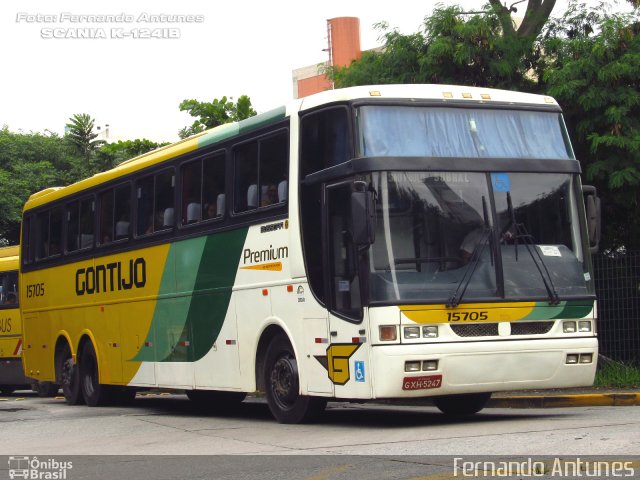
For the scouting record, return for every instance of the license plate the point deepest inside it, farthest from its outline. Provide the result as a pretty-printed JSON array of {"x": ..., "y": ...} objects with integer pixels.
[{"x": 422, "y": 383}]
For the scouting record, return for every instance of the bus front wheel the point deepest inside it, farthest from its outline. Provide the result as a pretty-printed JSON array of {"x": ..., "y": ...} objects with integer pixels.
[
  {"x": 69, "y": 377},
  {"x": 465, "y": 404},
  {"x": 282, "y": 385},
  {"x": 93, "y": 392}
]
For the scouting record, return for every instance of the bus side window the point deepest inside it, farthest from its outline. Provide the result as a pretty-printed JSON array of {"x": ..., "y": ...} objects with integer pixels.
[
  {"x": 42, "y": 235},
  {"x": 87, "y": 209},
  {"x": 246, "y": 177},
  {"x": 274, "y": 160},
  {"x": 122, "y": 212},
  {"x": 155, "y": 195},
  {"x": 164, "y": 199},
  {"x": 144, "y": 195},
  {"x": 213, "y": 186},
  {"x": 191, "y": 174},
  {"x": 73, "y": 214},
  {"x": 105, "y": 235},
  {"x": 55, "y": 231}
]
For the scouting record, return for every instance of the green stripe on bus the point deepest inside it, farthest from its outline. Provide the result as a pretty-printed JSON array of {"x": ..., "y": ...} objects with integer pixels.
[
  {"x": 566, "y": 309},
  {"x": 194, "y": 297},
  {"x": 214, "y": 283},
  {"x": 262, "y": 120}
]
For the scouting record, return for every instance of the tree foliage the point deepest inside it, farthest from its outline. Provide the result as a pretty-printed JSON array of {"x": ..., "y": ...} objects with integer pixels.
[
  {"x": 592, "y": 68},
  {"x": 81, "y": 135},
  {"x": 29, "y": 162},
  {"x": 218, "y": 112},
  {"x": 472, "y": 48}
]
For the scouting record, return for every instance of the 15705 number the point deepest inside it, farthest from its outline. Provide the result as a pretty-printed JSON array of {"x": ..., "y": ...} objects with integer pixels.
[
  {"x": 35, "y": 290},
  {"x": 467, "y": 316}
]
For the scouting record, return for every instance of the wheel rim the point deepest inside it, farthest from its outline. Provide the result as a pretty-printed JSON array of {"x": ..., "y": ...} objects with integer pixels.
[{"x": 284, "y": 381}]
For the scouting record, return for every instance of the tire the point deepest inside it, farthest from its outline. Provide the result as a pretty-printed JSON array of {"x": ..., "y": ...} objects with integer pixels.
[
  {"x": 94, "y": 393},
  {"x": 216, "y": 401},
  {"x": 47, "y": 389},
  {"x": 7, "y": 390},
  {"x": 282, "y": 385},
  {"x": 466, "y": 404},
  {"x": 67, "y": 373}
]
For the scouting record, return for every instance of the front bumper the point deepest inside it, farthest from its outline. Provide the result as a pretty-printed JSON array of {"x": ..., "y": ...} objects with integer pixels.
[{"x": 484, "y": 366}]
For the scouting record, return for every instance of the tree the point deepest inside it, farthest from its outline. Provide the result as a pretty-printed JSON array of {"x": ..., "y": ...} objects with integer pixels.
[
  {"x": 80, "y": 134},
  {"x": 592, "y": 67},
  {"x": 218, "y": 112},
  {"x": 29, "y": 162},
  {"x": 482, "y": 48}
]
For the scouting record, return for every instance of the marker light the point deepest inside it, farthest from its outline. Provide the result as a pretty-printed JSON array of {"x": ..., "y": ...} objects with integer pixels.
[
  {"x": 388, "y": 333},
  {"x": 584, "y": 326},
  {"x": 430, "y": 331},
  {"x": 572, "y": 358},
  {"x": 429, "y": 365},
  {"x": 412, "y": 366},
  {"x": 569, "y": 327},
  {"x": 411, "y": 332}
]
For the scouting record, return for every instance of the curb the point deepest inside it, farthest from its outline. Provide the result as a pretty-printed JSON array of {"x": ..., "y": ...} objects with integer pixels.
[{"x": 560, "y": 401}]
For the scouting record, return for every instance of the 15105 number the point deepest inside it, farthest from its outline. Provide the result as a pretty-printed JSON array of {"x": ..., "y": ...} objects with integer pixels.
[
  {"x": 467, "y": 316},
  {"x": 35, "y": 290}
]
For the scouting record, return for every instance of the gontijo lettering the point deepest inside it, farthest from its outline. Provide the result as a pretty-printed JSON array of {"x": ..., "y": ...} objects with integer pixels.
[{"x": 111, "y": 277}]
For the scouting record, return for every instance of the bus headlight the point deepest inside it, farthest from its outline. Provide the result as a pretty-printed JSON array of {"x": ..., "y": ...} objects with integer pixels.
[
  {"x": 572, "y": 358},
  {"x": 412, "y": 366},
  {"x": 411, "y": 332},
  {"x": 569, "y": 327},
  {"x": 430, "y": 331},
  {"x": 586, "y": 358},
  {"x": 388, "y": 333},
  {"x": 430, "y": 365},
  {"x": 584, "y": 326}
]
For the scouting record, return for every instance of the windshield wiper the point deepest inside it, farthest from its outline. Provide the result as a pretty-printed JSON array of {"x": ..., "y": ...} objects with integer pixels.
[
  {"x": 487, "y": 233},
  {"x": 538, "y": 261}
]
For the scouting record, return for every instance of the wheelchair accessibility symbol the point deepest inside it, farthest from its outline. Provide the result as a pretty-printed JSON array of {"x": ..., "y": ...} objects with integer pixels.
[{"x": 359, "y": 371}]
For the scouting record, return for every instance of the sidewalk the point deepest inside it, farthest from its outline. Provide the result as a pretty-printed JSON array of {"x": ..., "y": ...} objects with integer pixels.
[{"x": 570, "y": 397}]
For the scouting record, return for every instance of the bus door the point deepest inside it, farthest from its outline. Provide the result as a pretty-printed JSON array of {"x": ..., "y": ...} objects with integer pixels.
[{"x": 347, "y": 356}]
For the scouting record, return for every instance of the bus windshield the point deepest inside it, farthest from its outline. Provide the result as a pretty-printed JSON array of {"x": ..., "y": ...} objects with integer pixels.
[
  {"x": 519, "y": 232},
  {"x": 461, "y": 132}
]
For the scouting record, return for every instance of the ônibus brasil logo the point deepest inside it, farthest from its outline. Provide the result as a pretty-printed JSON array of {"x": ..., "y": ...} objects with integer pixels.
[{"x": 33, "y": 468}]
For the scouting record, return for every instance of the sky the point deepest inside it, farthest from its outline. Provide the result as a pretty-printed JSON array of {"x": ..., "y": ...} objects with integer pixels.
[{"x": 230, "y": 48}]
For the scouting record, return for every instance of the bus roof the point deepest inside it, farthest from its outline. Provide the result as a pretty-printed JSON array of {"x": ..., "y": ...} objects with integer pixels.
[
  {"x": 159, "y": 155},
  {"x": 443, "y": 93}
]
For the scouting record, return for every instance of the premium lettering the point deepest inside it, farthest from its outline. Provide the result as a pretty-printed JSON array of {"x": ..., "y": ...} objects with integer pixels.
[
  {"x": 256, "y": 256},
  {"x": 111, "y": 277}
]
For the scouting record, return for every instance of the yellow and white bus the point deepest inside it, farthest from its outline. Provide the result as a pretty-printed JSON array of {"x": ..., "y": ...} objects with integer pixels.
[
  {"x": 381, "y": 242},
  {"x": 11, "y": 375}
]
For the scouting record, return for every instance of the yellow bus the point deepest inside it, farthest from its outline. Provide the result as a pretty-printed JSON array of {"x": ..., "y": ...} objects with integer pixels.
[
  {"x": 381, "y": 242},
  {"x": 11, "y": 375}
]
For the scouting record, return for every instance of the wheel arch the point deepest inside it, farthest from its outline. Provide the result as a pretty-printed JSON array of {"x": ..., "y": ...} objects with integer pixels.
[{"x": 270, "y": 331}]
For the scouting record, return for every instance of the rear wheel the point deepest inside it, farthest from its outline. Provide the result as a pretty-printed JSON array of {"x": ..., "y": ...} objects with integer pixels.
[
  {"x": 93, "y": 392},
  {"x": 68, "y": 375},
  {"x": 283, "y": 388},
  {"x": 466, "y": 404}
]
